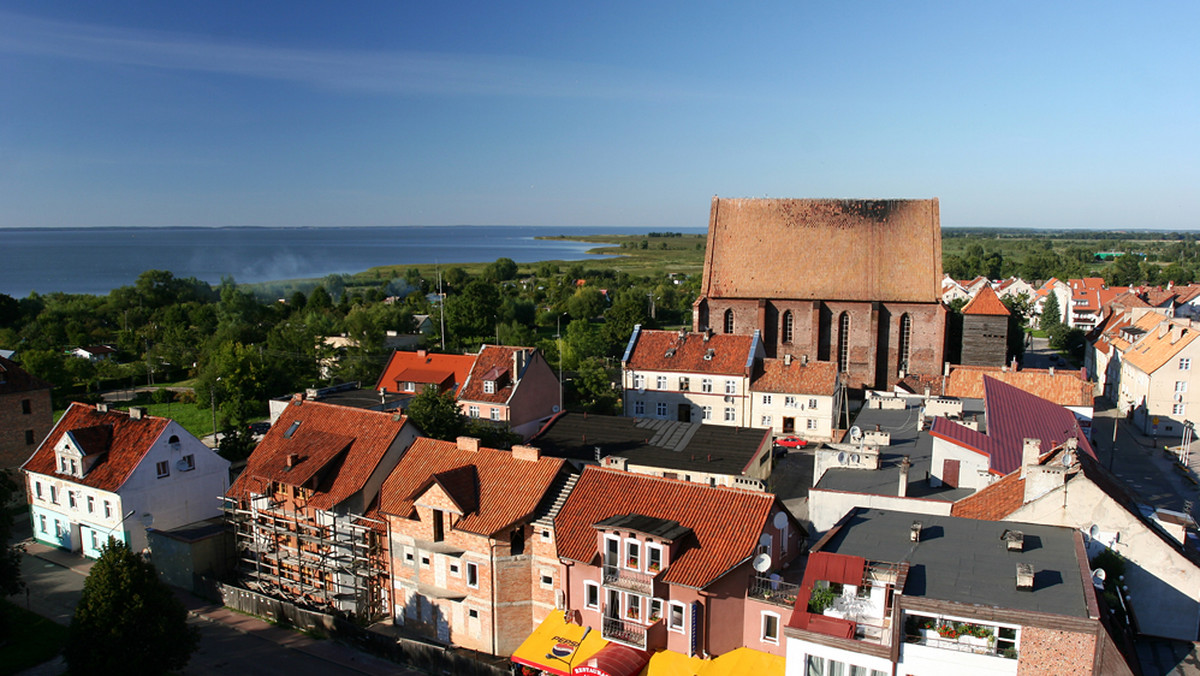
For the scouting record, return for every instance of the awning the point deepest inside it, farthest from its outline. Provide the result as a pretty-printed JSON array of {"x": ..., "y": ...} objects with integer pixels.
[
  {"x": 745, "y": 661},
  {"x": 557, "y": 645},
  {"x": 671, "y": 663},
  {"x": 613, "y": 659}
]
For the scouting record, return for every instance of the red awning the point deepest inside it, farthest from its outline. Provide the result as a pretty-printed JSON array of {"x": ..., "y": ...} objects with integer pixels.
[{"x": 613, "y": 659}]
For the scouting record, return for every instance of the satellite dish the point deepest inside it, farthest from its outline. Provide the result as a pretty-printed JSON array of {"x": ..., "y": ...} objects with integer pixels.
[
  {"x": 1098, "y": 578},
  {"x": 555, "y": 408},
  {"x": 147, "y": 519},
  {"x": 1094, "y": 531},
  {"x": 1068, "y": 458},
  {"x": 842, "y": 458},
  {"x": 854, "y": 458},
  {"x": 780, "y": 521},
  {"x": 855, "y": 433},
  {"x": 762, "y": 563}
]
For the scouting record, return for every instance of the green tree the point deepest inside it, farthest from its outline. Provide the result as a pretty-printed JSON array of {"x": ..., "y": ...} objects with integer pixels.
[
  {"x": 10, "y": 554},
  {"x": 472, "y": 313},
  {"x": 1051, "y": 313},
  {"x": 585, "y": 303},
  {"x": 437, "y": 414},
  {"x": 593, "y": 388},
  {"x": 627, "y": 310},
  {"x": 1124, "y": 271},
  {"x": 127, "y": 621},
  {"x": 503, "y": 269}
]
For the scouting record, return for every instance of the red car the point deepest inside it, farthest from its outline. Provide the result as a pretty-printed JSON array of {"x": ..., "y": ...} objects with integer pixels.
[{"x": 791, "y": 442}]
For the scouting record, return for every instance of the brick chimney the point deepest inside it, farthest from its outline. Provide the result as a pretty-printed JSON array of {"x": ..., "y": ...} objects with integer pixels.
[
  {"x": 469, "y": 444},
  {"x": 902, "y": 489},
  {"x": 528, "y": 453},
  {"x": 292, "y": 460}
]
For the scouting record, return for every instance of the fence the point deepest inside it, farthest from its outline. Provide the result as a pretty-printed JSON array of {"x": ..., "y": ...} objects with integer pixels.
[{"x": 427, "y": 657}]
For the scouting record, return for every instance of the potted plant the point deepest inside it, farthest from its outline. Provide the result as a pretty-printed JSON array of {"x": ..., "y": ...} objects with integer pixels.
[{"x": 822, "y": 598}]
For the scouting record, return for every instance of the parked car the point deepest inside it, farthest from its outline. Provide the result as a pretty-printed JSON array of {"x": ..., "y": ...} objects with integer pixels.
[
  {"x": 260, "y": 427},
  {"x": 791, "y": 442}
]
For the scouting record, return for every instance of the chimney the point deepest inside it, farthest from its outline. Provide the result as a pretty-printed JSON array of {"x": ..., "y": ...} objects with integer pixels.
[
  {"x": 522, "y": 452},
  {"x": 297, "y": 399},
  {"x": 1014, "y": 540},
  {"x": 946, "y": 369},
  {"x": 1024, "y": 577},
  {"x": 902, "y": 489},
  {"x": 787, "y": 360},
  {"x": 708, "y": 333},
  {"x": 293, "y": 459},
  {"x": 914, "y": 533},
  {"x": 804, "y": 359},
  {"x": 468, "y": 444},
  {"x": 421, "y": 354},
  {"x": 136, "y": 412},
  {"x": 102, "y": 407},
  {"x": 1051, "y": 371},
  {"x": 1030, "y": 452}
]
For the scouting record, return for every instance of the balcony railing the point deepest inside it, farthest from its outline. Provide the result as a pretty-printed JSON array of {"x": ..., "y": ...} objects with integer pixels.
[
  {"x": 629, "y": 633},
  {"x": 962, "y": 644},
  {"x": 778, "y": 592},
  {"x": 629, "y": 580}
]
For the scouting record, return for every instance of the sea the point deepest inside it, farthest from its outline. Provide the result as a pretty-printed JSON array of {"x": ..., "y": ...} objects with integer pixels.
[{"x": 98, "y": 260}]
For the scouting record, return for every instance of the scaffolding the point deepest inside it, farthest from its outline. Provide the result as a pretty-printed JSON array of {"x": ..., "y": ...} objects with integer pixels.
[{"x": 313, "y": 558}]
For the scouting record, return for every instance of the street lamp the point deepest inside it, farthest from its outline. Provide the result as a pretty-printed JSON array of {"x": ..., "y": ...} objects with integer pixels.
[
  {"x": 558, "y": 335},
  {"x": 212, "y": 394}
]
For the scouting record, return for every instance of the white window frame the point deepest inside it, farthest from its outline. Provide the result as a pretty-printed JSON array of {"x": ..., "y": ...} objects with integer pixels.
[
  {"x": 766, "y": 421},
  {"x": 810, "y": 424},
  {"x": 1178, "y": 409},
  {"x": 681, "y": 628},
  {"x": 71, "y": 500},
  {"x": 789, "y": 402},
  {"x": 1181, "y": 386},
  {"x": 634, "y": 546},
  {"x": 91, "y": 504},
  {"x": 489, "y": 387},
  {"x": 655, "y": 612},
  {"x": 1185, "y": 364},
  {"x": 620, "y": 551},
  {"x": 473, "y": 411},
  {"x": 189, "y": 462},
  {"x": 107, "y": 509},
  {"x": 495, "y": 413},
  {"x": 37, "y": 489},
  {"x": 631, "y": 602},
  {"x": 730, "y": 414},
  {"x": 706, "y": 385},
  {"x": 766, "y": 400},
  {"x": 660, "y": 382},
  {"x": 590, "y": 587},
  {"x": 812, "y": 403},
  {"x": 639, "y": 381},
  {"x": 684, "y": 384},
  {"x": 162, "y": 468},
  {"x": 762, "y": 627},
  {"x": 472, "y": 572},
  {"x": 658, "y": 549},
  {"x": 706, "y": 412}
]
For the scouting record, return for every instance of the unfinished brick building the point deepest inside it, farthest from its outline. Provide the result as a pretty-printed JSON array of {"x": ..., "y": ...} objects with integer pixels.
[{"x": 855, "y": 282}]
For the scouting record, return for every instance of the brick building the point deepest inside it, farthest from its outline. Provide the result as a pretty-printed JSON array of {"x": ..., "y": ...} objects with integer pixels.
[
  {"x": 26, "y": 414},
  {"x": 854, "y": 282},
  {"x": 472, "y": 560}
]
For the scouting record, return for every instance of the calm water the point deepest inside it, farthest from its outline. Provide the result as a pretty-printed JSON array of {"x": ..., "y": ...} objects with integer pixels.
[{"x": 95, "y": 260}]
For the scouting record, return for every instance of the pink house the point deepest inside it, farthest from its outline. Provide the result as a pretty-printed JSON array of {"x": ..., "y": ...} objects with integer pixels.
[
  {"x": 511, "y": 386},
  {"x": 658, "y": 564}
]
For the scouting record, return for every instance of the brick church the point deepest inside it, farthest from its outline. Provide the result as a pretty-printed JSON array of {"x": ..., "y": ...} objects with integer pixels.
[{"x": 855, "y": 282}]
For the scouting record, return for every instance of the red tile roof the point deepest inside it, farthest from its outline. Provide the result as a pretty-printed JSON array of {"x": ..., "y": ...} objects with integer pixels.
[
  {"x": 347, "y": 442},
  {"x": 685, "y": 352},
  {"x": 1013, "y": 415},
  {"x": 129, "y": 441},
  {"x": 986, "y": 302},
  {"x": 1160, "y": 346},
  {"x": 726, "y": 522},
  {"x": 425, "y": 368},
  {"x": 882, "y": 250},
  {"x": 494, "y": 489},
  {"x": 1065, "y": 387},
  {"x": 15, "y": 379},
  {"x": 994, "y": 501},
  {"x": 494, "y": 363},
  {"x": 815, "y": 377}
]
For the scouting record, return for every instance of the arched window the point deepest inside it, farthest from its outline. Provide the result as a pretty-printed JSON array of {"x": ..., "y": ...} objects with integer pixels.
[
  {"x": 729, "y": 321},
  {"x": 905, "y": 341},
  {"x": 785, "y": 331},
  {"x": 843, "y": 350}
]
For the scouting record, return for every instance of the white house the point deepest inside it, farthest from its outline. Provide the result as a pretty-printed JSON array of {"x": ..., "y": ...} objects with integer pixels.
[{"x": 102, "y": 473}]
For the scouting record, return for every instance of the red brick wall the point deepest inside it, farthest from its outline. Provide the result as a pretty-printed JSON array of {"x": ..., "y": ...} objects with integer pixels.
[
  {"x": 13, "y": 425},
  {"x": 1050, "y": 651}
]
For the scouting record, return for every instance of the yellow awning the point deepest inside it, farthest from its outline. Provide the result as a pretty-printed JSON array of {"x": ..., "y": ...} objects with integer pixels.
[
  {"x": 670, "y": 663},
  {"x": 745, "y": 661},
  {"x": 556, "y": 646}
]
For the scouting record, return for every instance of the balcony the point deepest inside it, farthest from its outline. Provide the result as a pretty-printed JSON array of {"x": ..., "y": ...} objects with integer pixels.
[
  {"x": 777, "y": 592},
  {"x": 629, "y": 580},
  {"x": 634, "y": 634}
]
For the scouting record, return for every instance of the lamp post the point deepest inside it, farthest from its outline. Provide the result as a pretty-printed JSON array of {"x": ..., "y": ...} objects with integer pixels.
[
  {"x": 558, "y": 335},
  {"x": 212, "y": 393}
]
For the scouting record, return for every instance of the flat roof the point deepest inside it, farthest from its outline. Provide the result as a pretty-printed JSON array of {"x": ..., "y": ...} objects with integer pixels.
[
  {"x": 905, "y": 440},
  {"x": 966, "y": 560},
  {"x": 667, "y": 444}
]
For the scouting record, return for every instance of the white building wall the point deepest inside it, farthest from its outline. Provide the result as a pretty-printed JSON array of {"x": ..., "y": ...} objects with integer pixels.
[
  {"x": 651, "y": 394},
  {"x": 801, "y": 411},
  {"x": 825, "y": 508},
  {"x": 972, "y": 468},
  {"x": 922, "y": 660},
  {"x": 799, "y": 650}
]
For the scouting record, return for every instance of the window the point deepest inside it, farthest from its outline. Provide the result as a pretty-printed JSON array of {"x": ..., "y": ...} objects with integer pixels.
[
  {"x": 639, "y": 408},
  {"x": 409, "y": 386},
  {"x": 495, "y": 414},
  {"x": 730, "y": 387},
  {"x": 1177, "y": 409},
  {"x": 439, "y": 526},
  {"x": 547, "y": 580},
  {"x": 812, "y": 403},
  {"x": 107, "y": 509},
  {"x": 37, "y": 489},
  {"x": 661, "y": 409},
  {"x": 675, "y": 617},
  {"x": 472, "y": 575},
  {"x": 91, "y": 503},
  {"x": 633, "y": 555},
  {"x": 639, "y": 382},
  {"x": 424, "y": 561},
  {"x": 95, "y": 543},
  {"x": 187, "y": 463},
  {"x": 653, "y": 558},
  {"x": 766, "y": 421},
  {"x": 473, "y": 411},
  {"x": 706, "y": 385},
  {"x": 729, "y": 321},
  {"x": 785, "y": 330},
  {"x": 42, "y": 522},
  {"x": 633, "y": 607},
  {"x": 54, "y": 494},
  {"x": 29, "y": 437},
  {"x": 591, "y": 596},
  {"x": 843, "y": 355},
  {"x": 26, "y": 406},
  {"x": 163, "y": 469},
  {"x": 1185, "y": 364},
  {"x": 905, "y": 342},
  {"x": 766, "y": 400},
  {"x": 706, "y": 412},
  {"x": 410, "y": 556},
  {"x": 1181, "y": 386},
  {"x": 455, "y": 570},
  {"x": 661, "y": 382},
  {"x": 63, "y": 466},
  {"x": 730, "y": 414},
  {"x": 489, "y": 387},
  {"x": 71, "y": 499},
  {"x": 789, "y": 402},
  {"x": 684, "y": 384},
  {"x": 770, "y": 627},
  {"x": 810, "y": 424}
]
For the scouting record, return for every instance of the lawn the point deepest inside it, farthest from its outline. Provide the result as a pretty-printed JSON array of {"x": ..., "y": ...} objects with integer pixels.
[
  {"x": 32, "y": 639},
  {"x": 195, "y": 419}
]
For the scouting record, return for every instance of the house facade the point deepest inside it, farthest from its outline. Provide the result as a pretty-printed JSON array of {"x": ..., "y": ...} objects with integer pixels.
[
  {"x": 880, "y": 315},
  {"x": 797, "y": 396},
  {"x": 471, "y": 565},
  {"x": 512, "y": 387},
  {"x": 103, "y": 473},
  {"x": 1156, "y": 382},
  {"x": 298, "y": 510},
  {"x": 26, "y": 414}
]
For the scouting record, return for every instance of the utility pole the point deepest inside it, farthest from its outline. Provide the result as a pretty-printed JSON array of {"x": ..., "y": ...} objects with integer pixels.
[{"x": 558, "y": 335}]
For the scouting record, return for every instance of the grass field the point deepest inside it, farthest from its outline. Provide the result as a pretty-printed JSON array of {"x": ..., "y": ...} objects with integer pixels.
[
  {"x": 32, "y": 639},
  {"x": 195, "y": 419}
]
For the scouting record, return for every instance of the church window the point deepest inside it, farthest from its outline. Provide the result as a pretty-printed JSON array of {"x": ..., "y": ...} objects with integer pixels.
[
  {"x": 843, "y": 353},
  {"x": 786, "y": 329},
  {"x": 905, "y": 341},
  {"x": 729, "y": 321}
]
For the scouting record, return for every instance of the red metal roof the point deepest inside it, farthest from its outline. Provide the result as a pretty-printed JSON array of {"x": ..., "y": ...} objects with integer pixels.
[
  {"x": 828, "y": 567},
  {"x": 128, "y": 441},
  {"x": 433, "y": 365},
  {"x": 726, "y": 522},
  {"x": 501, "y": 491}
]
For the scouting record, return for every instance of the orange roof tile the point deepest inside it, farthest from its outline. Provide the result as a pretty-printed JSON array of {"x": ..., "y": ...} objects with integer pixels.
[
  {"x": 502, "y": 490},
  {"x": 994, "y": 501},
  {"x": 126, "y": 441},
  {"x": 495, "y": 363},
  {"x": 815, "y": 377},
  {"x": 986, "y": 302},
  {"x": 726, "y": 522},
  {"x": 1065, "y": 387},
  {"x": 883, "y": 250},
  {"x": 685, "y": 352},
  {"x": 1153, "y": 351},
  {"x": 424, "y": 368},
  {"x": 348, "y": 442}
]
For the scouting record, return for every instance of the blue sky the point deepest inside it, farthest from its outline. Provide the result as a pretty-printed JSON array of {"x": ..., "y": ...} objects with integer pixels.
[{"x": 1014, "y": 114}]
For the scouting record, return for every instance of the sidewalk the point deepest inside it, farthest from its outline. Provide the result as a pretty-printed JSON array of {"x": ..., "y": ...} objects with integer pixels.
[{"x": 329, "y": 651}]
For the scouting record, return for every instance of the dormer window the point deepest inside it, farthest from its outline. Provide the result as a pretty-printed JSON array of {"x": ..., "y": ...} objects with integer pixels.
[
  {"x": 489, "y": 387},
  {"x": 654, "y": 558}
]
